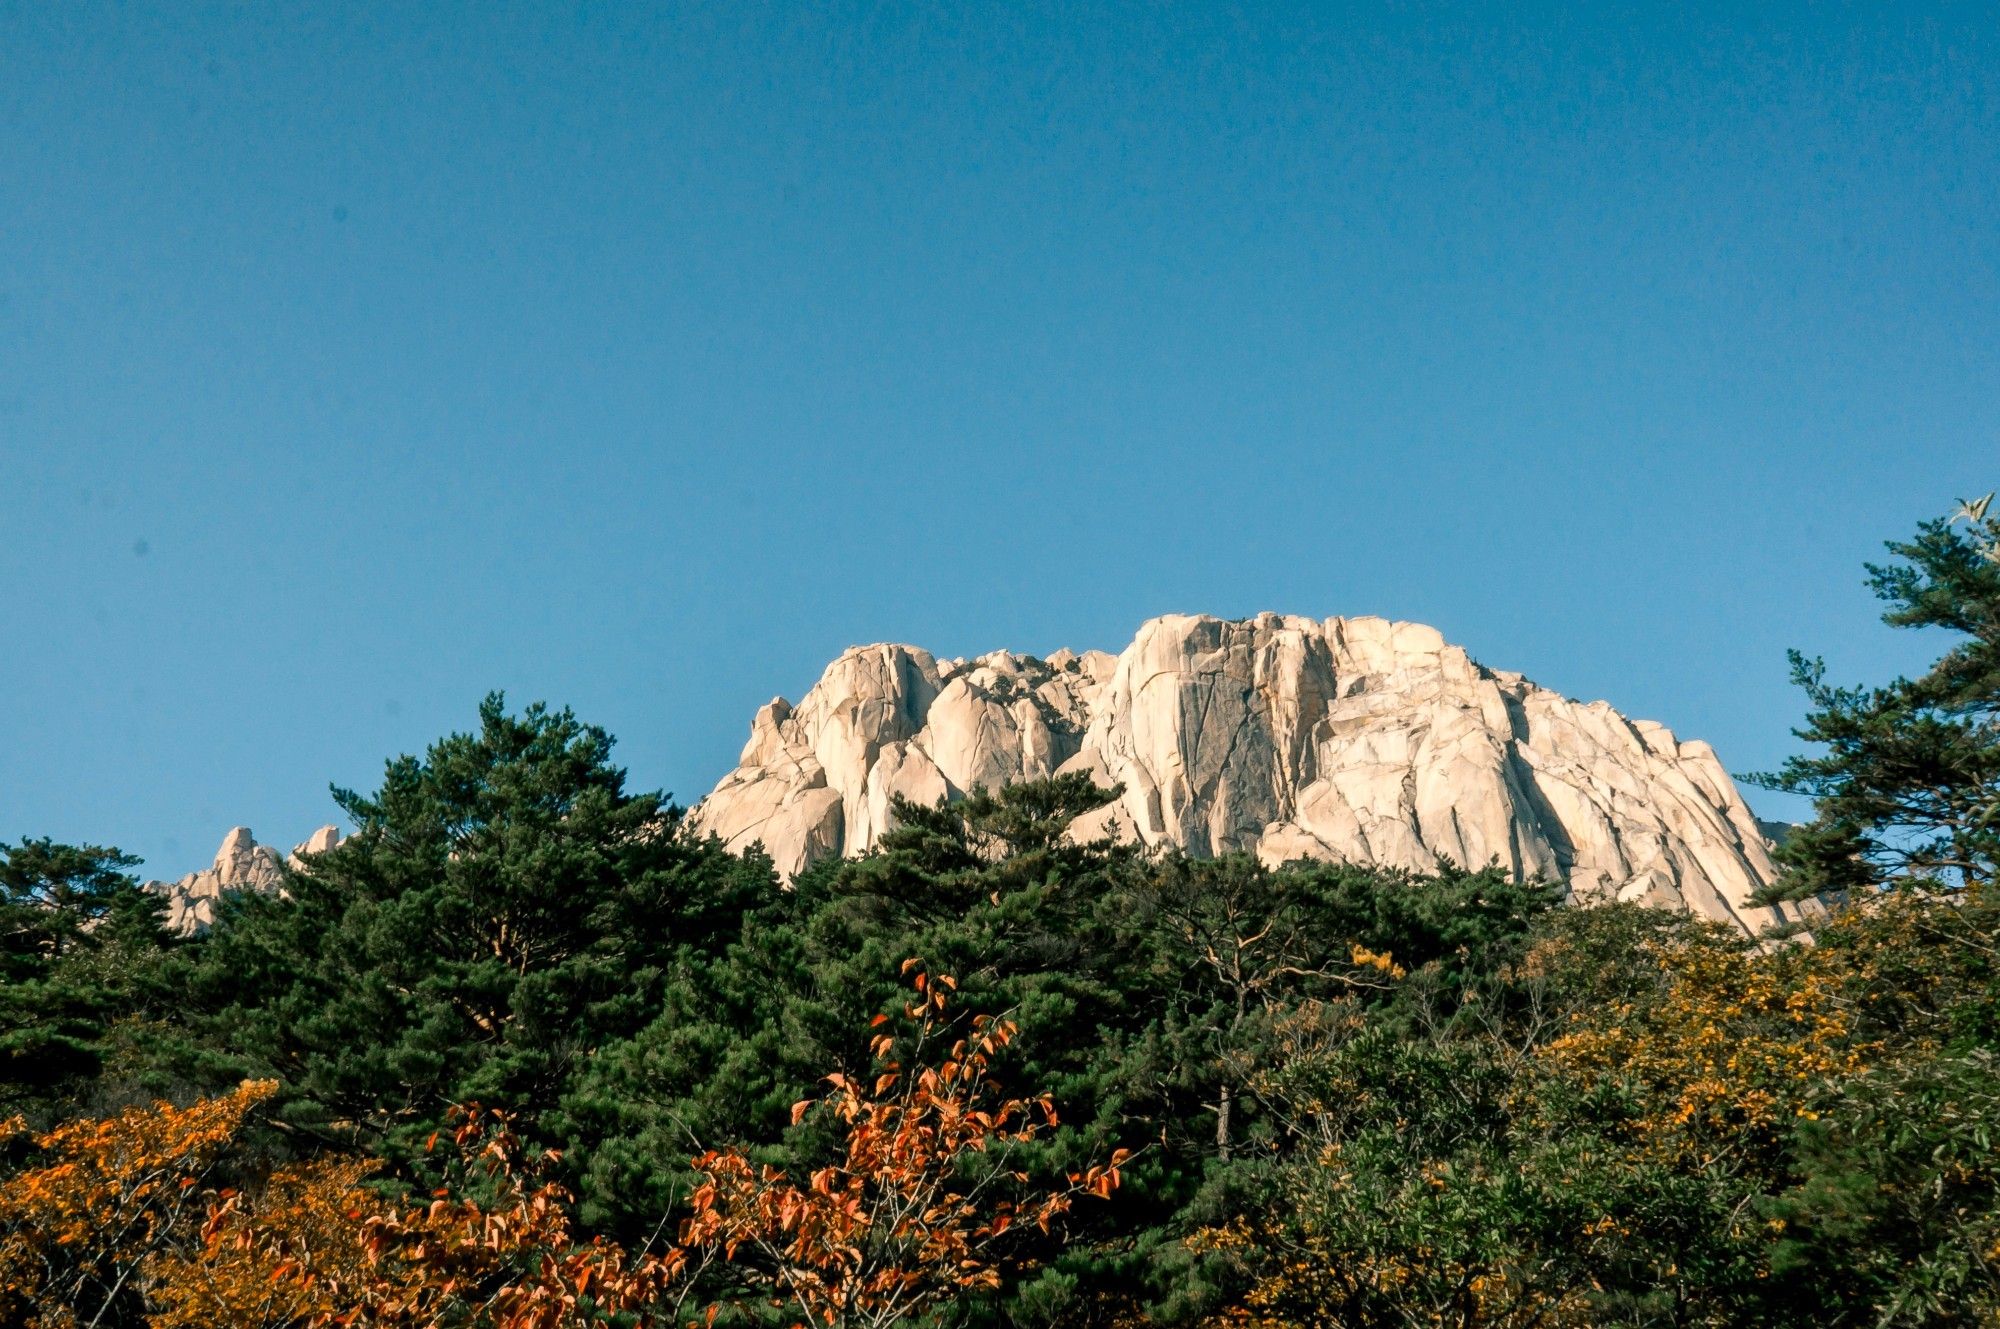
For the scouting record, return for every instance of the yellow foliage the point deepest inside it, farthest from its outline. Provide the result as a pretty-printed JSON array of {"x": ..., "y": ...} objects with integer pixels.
[
  {"x": 1381, "y": 960},
  {"x": 316, "y": 1248},
  {"x": 114, "y": 1224},
  {"x": 1726, "y": 1056},
  {"x": 1307, "y": 1280},
  {"x": 297, "y": 1257},
  {"x": 107, "y": 1198}
]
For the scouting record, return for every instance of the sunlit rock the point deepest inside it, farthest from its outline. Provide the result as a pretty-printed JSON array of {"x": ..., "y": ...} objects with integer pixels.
[
  {"x": 241, "y": 864},
  {"x": 1349, "y": 739}
]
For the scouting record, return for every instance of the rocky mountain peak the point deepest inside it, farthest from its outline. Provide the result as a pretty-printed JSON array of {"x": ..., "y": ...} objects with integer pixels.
[
  {"x": 241, "y": 864},
  {"x": 1346, "y": 738}
]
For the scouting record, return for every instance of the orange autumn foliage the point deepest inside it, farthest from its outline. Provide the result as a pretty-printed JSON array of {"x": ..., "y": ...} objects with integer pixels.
[
  {"x": 518, "y": 1264},
  {"x": 917, "y": 1211},
  {"x": 290, "y": 1255},
  {"x": 84, "y": 1228},
  {"x": 316, "y": 1248},
  {"x": 123, "y": 1221},
  {"x": 114, "y": 1224}
]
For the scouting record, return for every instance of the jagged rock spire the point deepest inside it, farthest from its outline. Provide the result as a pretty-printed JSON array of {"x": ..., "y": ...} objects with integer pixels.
[{"x": 241, "y": 864}]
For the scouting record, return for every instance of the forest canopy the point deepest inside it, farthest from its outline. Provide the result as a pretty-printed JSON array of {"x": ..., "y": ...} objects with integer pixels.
[{"x": 525, "y": 1049}]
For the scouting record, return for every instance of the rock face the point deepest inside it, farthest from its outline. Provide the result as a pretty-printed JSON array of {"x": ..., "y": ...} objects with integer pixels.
[
  {"x": 240, "y": 865},
  {"x": 1350, "y": 739}
]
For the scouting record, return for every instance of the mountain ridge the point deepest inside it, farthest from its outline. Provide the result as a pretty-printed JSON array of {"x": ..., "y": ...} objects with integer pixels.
[
  {"x": 1345, "y": 738},
  {"x": 1354, "y": 738}
]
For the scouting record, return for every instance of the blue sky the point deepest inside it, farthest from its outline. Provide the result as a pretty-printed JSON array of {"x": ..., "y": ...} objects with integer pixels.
[{"x": 357, "y": 360}]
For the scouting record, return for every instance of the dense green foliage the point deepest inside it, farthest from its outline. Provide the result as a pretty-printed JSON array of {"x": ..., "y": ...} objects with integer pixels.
[
  {"x": 1647, "y": 1123},
  {"x": 504, "y": 908},
  {"x": 79, "y": 942},
  {"x": 1908, "y": 783},
  {"x": 1354, "y": 1096}
]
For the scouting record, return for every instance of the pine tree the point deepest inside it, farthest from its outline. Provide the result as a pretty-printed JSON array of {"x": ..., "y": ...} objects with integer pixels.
[
  {"x": 1908, "y": 785},
  {"x": 76, "y": 936},
  {"x": 504, "y": 907}
]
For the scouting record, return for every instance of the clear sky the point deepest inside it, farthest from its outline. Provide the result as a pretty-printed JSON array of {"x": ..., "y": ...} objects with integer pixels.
[{"x": 357, "y": 360}]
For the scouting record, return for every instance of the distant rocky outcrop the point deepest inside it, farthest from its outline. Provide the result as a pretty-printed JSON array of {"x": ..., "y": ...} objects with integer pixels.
[
  {"x": 240, "y": 865},
  {"x": 1349, "y": 739}
]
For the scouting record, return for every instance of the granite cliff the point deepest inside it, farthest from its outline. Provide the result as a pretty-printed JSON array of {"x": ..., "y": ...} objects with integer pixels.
[
  {"x": 240, "y": 865},
  {"x": 1353, "y": 738}
]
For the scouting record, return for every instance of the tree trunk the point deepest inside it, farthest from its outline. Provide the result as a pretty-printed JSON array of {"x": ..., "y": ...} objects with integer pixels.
[{"x": 1227, "y": 1100}]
